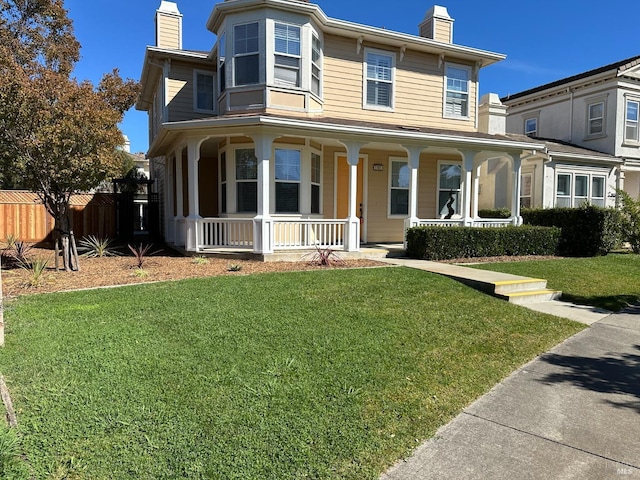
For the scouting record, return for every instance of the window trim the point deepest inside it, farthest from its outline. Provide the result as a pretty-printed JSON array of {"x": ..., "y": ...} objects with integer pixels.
[
  {"x": 196, "y": 91},
  {"x": 572, "y": 197},
  {"x": 459, "y": 190},
  {"x": 222, "y": 62},
  {"x": 318, "y": 184},
  {"x": 534, "y": 132},
  {"x": 591, "y": 102},
  {"x": 297, "y": 182},
  {"x": 530, "y": 196},
  {"x": 468, "y": 69},
  {"x": 279, "y": 82},
  {"x": 626, "y": 139},
  {"x": 405, "y": 162},
  {"x": 237, "y": 181},
  {"x": 365, "y": 80},
  {"x": 245, "y": 54},
  {"x": 315, "y": 37}
]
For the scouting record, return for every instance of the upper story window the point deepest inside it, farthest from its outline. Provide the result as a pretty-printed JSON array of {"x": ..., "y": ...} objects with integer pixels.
[
  {"x": 399, "y": 188},
  {"x": 287, "y": 55},
  {"x": 204, "y": 91},
  {"x": 531, "y": 127},
  {"x": 316, "y": 64},
  {"x": 287, "y": 178},
  {"x": 379, "y": 71},
  {"x": 631, "y": 121},
  {"x": 222, "y": 74},
  {"x": 246, "y": 56},
  {"x": 595, "y": 120},
  {"x": 456, "y": 102}
]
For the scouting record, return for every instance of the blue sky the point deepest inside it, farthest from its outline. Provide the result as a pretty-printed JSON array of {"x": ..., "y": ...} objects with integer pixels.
[{"x": 544, "y": 40}]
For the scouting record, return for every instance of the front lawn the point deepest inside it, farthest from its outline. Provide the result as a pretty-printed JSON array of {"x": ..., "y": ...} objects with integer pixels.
[
  {"x": 327, "y": 374},
  {"x": 610, "y": 282}
]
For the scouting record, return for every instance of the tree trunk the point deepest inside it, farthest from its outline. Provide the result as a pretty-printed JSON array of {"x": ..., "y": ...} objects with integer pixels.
[{"x": 63, "y": 226}]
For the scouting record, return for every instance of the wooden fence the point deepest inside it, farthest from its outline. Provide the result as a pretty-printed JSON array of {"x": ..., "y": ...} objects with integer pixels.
[{"x": 23, "y": 216}]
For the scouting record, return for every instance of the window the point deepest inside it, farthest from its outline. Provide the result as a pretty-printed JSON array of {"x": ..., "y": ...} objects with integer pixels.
[
  {"x": 631, "y": 122},
  {"x": 223, "y": 182},
  {"x": 575, "y": 189},
  {"x": 456, "y": 91},
  {"x": 526, "y": 182},
  {"x": 449, "y": 180},
  {"x": 205, "y": 91},
  {"x": 531, "y": 127},
  {"x": 399, "y": 188},
  {"x": 596, "y": 119},
  {"x": 222, "y": 53},
  {"x": 287, "y": 176},
  {"x": 316, "y": 64},
  {"x": 379, "y": 72},
  {"x": 316, "y": 176},
  {"x": 287, "y": 55},
  {"x": 246, "y": 55},
  {"x": 246, "y": 180}
]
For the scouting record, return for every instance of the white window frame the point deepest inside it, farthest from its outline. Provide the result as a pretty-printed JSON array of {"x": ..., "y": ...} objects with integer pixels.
[
  {"x": 445, "y": 102},
  {"x": 294, "y": 59},
  {"x": 222, "y": 56},
  {"x": 196, "y": 91},
  {"x": 365, "y": 80},
  {"x": 315, "y": 38},
  {"x": 243, "y": 180},
  {"x": 403, "y": 163},
  {"x": 316, "y": 184},
  {"x": 288, "y": 181},
  {"x": 590, "y": 120},
  {"x": 439, "y": 210},
  {"x": 572, "y": 199},
  {"x": 531, "y": 132},
  {"x": 631, "y": 123},
  {"x": 237, "y": 55},
  {"x": 523, "y": 193}
]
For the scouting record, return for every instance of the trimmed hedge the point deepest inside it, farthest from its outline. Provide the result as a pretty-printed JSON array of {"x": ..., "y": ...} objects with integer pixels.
[
  {"x": 493, "y": 213},
  {"x": 442, "y": 243},
  {"x": 587, "y": 231}
]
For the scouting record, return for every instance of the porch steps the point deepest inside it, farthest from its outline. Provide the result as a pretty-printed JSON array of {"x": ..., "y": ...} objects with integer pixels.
[{"x": 512, "y": 288}]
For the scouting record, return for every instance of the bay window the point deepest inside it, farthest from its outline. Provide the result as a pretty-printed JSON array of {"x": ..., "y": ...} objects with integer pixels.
[
  {"x": 316, "y": 64},
  {"x": 246, "y": 56},
  {"x": 287, "y": 55}
]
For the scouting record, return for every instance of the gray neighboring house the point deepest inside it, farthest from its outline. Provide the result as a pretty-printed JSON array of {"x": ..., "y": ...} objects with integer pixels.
[{"x": 596, "y": 110}]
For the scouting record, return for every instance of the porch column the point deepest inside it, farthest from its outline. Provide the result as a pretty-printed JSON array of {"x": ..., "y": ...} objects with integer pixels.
[
  {"x": 169, "y": 200},
  {"x": 412, "y": 215},
  {"x": 193, "y": 158},
  {"x": 467, "y": 168},
  {"x": 515, "y": 193},
  {"x": 179, "y": 219},
  {"x": 476, "y": 191},
  {"x": 352, "y": 234},
  {"x": 262, "y": 222}
]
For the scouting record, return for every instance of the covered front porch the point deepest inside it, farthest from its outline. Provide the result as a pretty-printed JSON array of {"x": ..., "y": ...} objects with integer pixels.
[{"x": 264, "y": 189}]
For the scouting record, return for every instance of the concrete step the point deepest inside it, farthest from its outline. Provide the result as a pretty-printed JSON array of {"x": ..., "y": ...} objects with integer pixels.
[
  {"x": 522, "y": 284},
  {"x": 531, "y": 296}
]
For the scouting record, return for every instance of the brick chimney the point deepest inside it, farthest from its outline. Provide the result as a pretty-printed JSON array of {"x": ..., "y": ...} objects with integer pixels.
[
  {"x": 168, "y": 26},
  {"x": 437, "y": 25}
]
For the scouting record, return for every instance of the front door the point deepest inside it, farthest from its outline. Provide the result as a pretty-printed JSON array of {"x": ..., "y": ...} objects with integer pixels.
[{"x": 342, "y": 192}]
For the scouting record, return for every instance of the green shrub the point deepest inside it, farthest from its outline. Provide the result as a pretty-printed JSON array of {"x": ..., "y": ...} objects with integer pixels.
[
  {"x": 442, "y": 243},
  {"x": 587, "y": 231},
  {"x": 494, "y": 213},
  {"x": 630, "y": 220}
]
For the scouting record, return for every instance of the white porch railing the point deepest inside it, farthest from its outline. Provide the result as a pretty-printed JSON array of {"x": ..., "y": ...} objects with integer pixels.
[
  {"x": 460, "y": 222},
  {"x": 492, "y": 222},
  {"x": 234, "y": 233},
  {"x": 301, "y": 234}
]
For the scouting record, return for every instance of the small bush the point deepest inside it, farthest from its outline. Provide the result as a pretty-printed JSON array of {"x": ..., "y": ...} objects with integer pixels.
[
  {"x": 93, "y": 246},
  {"x": 325, "y": 257},
  {"x": 630, "y": 220},
  {"x": 36, "y": 268},
  {"x": 443, "y": 243},
  {"x": 234, "y": 268},
  {"x": 141, "y": 252},
  {"x": 493, "y": 213},
  {"x": 199, "y": 260},
  {"x": 587, "y": 231}
]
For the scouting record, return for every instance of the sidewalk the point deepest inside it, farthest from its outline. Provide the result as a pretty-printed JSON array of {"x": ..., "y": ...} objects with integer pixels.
[{"x": 572, "y": 413}]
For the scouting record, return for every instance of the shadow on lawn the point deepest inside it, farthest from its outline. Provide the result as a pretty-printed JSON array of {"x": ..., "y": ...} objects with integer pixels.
[
  {"x": 614, "y": 374},
  {"x": 613, "y": 303}
]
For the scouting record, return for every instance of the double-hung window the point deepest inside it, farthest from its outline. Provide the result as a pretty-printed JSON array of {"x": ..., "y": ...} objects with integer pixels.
[
  {"x": 316, "y": 172},
  {"x": 597, "y": 191},
  {"x": 246, "y": 54},
  {"x": 205, "y": 91},
  {"x": 222, "y": 53},
  {"x": 449, "y": 181},
  {"x": 287, "y": 177},
  {"x": 287, "y": 55},
  {"x": 456, "y": 104},
  {"x": 379, "y": 73},
  {"x": 246, "y": 180},
  {"x": 526, "y": 190},
  {"x": 316, "y": 64},
  {"x": 531, "y": 127},
  {"x": 595, "y": 121},
  {"x": 631, "y": 121},
  {"x": 399, "y": 188}
]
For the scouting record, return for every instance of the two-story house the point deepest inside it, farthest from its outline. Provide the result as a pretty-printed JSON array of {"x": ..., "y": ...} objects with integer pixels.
[
  {"x": 298, "y": 130},
  {"x": 597, "y": 110}
]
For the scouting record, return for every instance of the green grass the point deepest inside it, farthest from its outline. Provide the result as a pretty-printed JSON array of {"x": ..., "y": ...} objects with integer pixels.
[
  {"x": 611, "y": 282},
  {"x": 330, "y": 374}
]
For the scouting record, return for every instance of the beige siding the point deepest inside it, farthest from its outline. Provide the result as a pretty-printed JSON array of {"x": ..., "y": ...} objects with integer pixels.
[
  {"x": 286, "y": 100},
  {"x": 419, "y": 88},
  {"x": 443, "y": 31},
  {"x": 168, "y": 32}
]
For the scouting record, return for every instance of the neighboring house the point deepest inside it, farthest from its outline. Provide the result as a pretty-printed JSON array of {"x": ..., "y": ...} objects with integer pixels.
[
  {"x": 298, "y": 130},
  {"x": 597, "y": 110},
  {"x": 558, "y": 175}
]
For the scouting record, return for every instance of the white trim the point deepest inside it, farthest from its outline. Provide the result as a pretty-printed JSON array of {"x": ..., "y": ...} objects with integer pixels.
[
  {"x": 458, "y": 214},
  {"x": 625, "y": 140},
  {"x": 572, "y": 173},
  {"x": 590, "y": 102},
  {"x": 469, "y": 71},
  {"x": 391, "y": 161},
  {"x": 365, "y": 79},
  {"x": 364, "y": 158}
]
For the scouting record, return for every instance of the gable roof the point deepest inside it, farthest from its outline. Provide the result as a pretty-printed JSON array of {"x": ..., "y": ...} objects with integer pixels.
[{"x": 620, "y": 67}]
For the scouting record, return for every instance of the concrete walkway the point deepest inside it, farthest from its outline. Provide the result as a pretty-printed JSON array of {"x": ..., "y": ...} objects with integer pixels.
[{"x": 572, "y": 413}]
